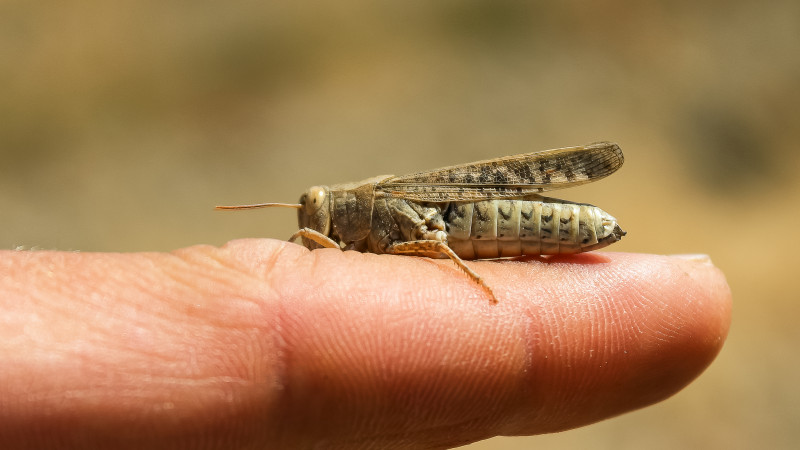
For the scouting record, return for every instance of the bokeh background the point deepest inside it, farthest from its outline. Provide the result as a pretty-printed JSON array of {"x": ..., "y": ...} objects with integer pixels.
[{"x": 123, "y": 123}]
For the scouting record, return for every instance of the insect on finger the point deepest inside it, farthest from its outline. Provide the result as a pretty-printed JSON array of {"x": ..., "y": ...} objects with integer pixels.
[{"x": 482, "y": 210}]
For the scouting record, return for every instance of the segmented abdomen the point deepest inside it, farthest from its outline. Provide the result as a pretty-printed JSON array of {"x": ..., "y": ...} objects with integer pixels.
[{"x": 501, "y": 228}]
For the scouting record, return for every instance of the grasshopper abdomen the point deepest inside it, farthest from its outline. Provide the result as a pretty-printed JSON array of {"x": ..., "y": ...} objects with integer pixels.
[{"x": 534, "y": 226}]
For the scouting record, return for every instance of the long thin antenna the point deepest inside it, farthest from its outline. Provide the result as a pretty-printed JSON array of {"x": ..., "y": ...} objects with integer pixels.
[{"x": 261, "y": 205}]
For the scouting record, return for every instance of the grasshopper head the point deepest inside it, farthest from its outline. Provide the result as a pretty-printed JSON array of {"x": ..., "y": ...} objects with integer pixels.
[{"x": 315, "y": 212}]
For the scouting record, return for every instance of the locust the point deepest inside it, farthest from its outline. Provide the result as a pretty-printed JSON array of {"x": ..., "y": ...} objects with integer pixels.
[{"x": 482, "y": 210}]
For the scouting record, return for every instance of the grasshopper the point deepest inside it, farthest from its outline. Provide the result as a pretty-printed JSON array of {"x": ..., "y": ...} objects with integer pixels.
[{"x": 482, "y": 210}]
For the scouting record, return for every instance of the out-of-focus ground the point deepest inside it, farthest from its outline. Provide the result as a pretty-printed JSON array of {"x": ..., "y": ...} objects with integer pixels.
[{"x": 123, "y": 123}]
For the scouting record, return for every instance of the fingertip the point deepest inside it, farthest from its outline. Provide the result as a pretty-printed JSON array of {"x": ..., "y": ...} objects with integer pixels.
[
  {"x": 573, "y": 339},
  {"x": 637, "y": 330}
]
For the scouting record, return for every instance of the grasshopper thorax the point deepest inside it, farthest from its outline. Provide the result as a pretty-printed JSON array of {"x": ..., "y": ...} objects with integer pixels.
[{"x": 315, "y": 210}]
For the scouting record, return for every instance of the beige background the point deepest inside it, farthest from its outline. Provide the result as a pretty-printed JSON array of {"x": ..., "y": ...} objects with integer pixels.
[{"x": 122, "y": 124}]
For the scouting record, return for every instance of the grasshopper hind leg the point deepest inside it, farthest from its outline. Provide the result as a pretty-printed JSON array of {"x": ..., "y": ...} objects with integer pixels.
[{"x": 429, "y": 247}]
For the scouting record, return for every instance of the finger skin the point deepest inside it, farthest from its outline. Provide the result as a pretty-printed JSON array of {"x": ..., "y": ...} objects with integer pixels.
[{"x": 262, "y": 343}]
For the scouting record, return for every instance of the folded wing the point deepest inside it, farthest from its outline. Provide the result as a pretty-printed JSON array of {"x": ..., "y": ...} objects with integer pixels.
[{"x": 509, "y": 177}]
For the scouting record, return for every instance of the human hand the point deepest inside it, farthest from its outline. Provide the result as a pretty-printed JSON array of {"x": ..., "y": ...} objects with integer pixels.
[{"x": 263, "y": 344}]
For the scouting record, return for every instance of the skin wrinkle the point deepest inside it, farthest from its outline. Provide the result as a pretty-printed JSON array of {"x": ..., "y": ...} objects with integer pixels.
[
  {"x": 268, "y": 266},
  {"x": 368, "y": 395},
  {"x": 468, "y": 389},
  {"x": 146, "y": 348},
  {"x": 667, "y": 328},
  {"x": 477, "y": 425},
  {"x": 241, "y": 335},
  {"x": 436, "y": 387},
  {"x": 684, "y": 319},
  {"x": 534, "y": 409},
  {"x": 566, "y": 351},
  {"x": 413, "y": 437},
  {"x": 607, "y": 316},
  {"x": 212, "y": 257},
  {"x": 247, "y": 261},
  {"x": 224, "y": 384},
  {"x": 279, "y": 364},
  {"x": 507, "y": 334},
  {"x": 80, "y": 347},
  {"x": 320, "y": 282},
  {"x": 291, "y": 394},
  {"x": 141, "y": 286},
  {"x": 443, "y": 265},
  {"x": 615, "y": 317},
  {"x": 191, "y": 268}
]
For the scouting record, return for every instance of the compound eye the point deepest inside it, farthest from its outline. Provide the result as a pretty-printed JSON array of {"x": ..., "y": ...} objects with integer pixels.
[{"x": 314, "y": 199}]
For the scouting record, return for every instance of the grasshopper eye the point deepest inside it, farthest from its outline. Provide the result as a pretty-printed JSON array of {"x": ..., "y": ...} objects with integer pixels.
[{"x": 313, "y": 199}]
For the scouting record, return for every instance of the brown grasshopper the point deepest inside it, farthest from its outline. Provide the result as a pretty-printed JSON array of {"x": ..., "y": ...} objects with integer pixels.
[{"x": 481, "y": 210}]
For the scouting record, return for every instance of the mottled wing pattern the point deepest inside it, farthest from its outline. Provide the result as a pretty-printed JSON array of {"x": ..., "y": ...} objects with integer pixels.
[{"x": 510, "y": 176}]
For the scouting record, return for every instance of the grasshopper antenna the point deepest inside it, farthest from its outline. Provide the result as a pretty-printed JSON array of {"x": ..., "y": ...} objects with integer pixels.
[{"x": 261, "y": 205}]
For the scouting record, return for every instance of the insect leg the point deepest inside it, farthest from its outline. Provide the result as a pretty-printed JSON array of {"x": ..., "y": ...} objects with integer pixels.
[
  {"x": 422, "y": 247},
  {"x": 315, "y": 236}
]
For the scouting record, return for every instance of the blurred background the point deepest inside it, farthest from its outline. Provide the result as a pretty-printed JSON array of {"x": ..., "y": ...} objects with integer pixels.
[{"x": 123, "y": 123}]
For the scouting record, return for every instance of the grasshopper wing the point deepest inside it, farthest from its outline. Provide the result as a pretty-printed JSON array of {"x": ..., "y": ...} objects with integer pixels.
[{"x": 509, "y": 177}]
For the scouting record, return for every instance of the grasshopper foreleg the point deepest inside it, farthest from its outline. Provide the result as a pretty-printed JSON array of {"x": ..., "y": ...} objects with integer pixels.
[
  {"x": 430, "y": 246},
  {"x": 315, "y": 236}
]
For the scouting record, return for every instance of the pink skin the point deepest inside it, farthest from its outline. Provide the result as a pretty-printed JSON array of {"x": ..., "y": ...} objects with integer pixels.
[{"x": 261, "y": 343}]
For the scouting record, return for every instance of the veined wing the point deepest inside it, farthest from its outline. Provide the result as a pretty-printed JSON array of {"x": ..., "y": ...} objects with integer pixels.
[{"x": 510, "y": 176}]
